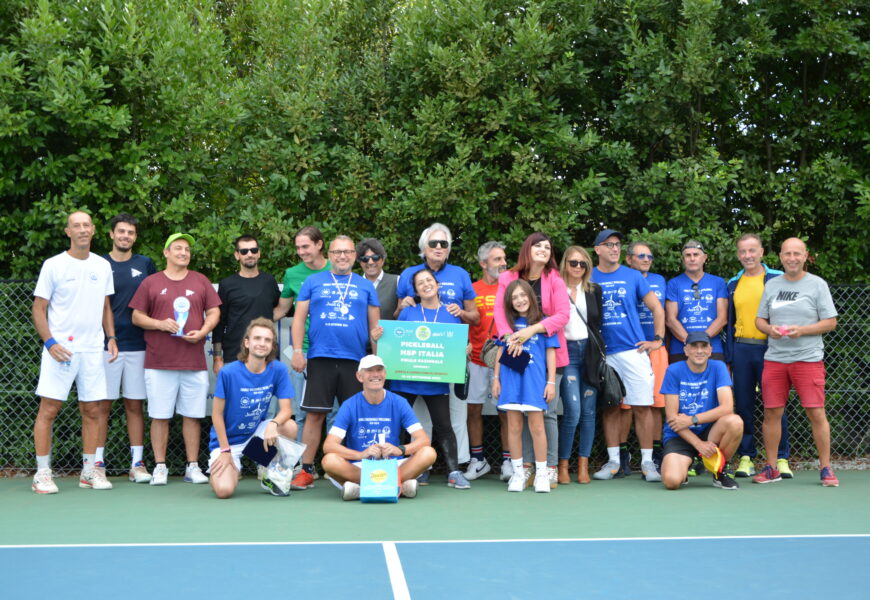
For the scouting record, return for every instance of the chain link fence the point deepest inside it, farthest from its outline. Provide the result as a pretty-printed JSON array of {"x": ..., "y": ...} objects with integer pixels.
[{"x": 848, "y": 395}]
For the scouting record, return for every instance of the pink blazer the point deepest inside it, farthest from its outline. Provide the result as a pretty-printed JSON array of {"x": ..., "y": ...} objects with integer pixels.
[{"x": 557, "y": 307}]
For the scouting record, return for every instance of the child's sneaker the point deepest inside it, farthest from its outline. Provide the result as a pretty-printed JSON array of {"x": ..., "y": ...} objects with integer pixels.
[{"x": 517, "y": 482}]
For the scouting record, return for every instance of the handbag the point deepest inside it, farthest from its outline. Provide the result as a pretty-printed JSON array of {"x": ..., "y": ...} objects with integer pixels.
[
  {"x": 611, "y": 390},
  {"x": 489, "y": 352}
]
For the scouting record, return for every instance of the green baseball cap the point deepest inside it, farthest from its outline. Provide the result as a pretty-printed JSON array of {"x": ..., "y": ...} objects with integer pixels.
[{"x": 176, "y": 236}]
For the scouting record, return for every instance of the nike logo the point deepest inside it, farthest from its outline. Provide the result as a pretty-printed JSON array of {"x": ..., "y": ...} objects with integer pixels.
[{"x": 780, "y": 303}]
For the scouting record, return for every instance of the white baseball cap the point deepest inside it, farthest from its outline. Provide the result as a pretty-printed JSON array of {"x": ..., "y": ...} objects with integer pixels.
[{"x": 369, "y": 361}]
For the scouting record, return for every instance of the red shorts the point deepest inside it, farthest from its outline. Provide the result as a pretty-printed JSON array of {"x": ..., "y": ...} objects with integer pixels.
[{"x": 808, "y": 379}]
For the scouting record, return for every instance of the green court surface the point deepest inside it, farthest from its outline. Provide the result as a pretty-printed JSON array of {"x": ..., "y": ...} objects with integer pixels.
[{"x": 624, "y": 508}]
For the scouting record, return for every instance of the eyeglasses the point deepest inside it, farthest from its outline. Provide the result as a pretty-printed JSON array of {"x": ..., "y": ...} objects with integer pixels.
[
  {"x": 437, "y": 243},
  {"x": 644, "y": 256},
  {"x": 342, "y": 252},
  {"x": 697, "y": 292},
  {"x": 611, "y": 244},
  {"x": 244, "y": 251},
  {"x": 578, "y": 263},
  {"x": 370, "y": 258}
]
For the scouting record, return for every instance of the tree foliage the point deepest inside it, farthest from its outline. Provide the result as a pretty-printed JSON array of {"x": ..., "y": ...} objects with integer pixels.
[{"x": 698, "y": 118}]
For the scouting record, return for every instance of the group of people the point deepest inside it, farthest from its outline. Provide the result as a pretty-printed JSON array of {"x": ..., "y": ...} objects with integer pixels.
[{"x": 117, "y": 327}]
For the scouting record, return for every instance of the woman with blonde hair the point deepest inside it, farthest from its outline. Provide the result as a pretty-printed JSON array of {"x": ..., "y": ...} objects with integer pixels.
[{"x": 577, "y": 388}]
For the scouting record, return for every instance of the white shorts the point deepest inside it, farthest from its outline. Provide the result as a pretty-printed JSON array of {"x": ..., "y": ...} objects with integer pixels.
[
  {"x": 479, "y": 384},
  {"x": 236, "y": 449},
  {"x": 635, "y": 370},
  {"x": 127, "y": 373},
  {"x": 176, "y": 392},
  {"x": 84, "y": 368}
]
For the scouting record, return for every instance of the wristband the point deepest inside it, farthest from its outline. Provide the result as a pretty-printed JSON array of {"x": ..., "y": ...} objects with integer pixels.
[
  {"x": 223, "y": 450},
  {"x": 551, "y": 383},
  {"x": 277, "y": 424},
  {"x": 112, "y": 337},
  {"x": 49, "y": 343},
  {"x": 402, "y": 448}
]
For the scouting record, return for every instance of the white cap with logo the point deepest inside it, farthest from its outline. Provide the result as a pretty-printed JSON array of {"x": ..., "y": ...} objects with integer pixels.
[{"x": 369, "y": 361}]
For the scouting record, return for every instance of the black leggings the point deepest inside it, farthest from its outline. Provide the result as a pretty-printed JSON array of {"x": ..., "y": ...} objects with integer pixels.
[{"x": 442, "y": 430}]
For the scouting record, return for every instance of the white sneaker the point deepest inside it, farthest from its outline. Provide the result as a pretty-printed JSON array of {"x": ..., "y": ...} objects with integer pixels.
[
  {"x": 650, "y": 473},
  {"x": 517, "y": 482},
  {"x": 477, "y": 468},
  {"x": 409, "y": 488},
  {"x": 553, "y": 475},
  {"x": 350, "y": 491},
  {"x": 608, "y": 471},
  {"x": 507, "y": 469},
  {"x": 139, "y": 474},
  {"x": 94, "y": 479},
  {"x": 193, "y": 474},
  {"x": 160, "y": 476},
  {"x": 43, "y": 483},
  {"x": 542, "y": 481}
]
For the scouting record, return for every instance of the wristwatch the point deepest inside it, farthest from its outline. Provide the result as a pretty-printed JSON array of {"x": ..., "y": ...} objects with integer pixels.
[
  {"x": 694, "y": 419},
  {"x": 402, "y": 448},
  {"x": 658, "y": 338}
]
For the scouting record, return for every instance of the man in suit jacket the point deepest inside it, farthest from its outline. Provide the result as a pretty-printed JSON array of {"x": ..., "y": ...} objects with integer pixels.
[{"x": 371, "y": 255}]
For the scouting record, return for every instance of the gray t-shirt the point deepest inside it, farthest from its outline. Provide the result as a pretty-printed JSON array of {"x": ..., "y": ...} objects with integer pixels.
[{"x": 803, "y": 302}]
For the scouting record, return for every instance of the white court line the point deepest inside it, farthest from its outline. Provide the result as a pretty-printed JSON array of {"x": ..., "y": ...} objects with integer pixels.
[
  {"x": 486, "y": 541},
  {"x": 397, "y": 575}
]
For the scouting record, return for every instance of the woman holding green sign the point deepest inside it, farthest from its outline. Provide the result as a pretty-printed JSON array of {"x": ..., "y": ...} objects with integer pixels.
[{"x": 429, "y": 309}]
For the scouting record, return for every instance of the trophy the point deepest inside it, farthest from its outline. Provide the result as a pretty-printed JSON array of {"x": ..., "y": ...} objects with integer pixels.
[{"x": 181, "y": 306}]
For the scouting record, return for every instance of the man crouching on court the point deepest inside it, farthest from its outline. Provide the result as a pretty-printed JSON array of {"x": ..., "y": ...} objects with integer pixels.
[
  {"x": 241, "y": 402},
  {"x": 369, "y": 422},
  {"x": 699, "y": 407}
]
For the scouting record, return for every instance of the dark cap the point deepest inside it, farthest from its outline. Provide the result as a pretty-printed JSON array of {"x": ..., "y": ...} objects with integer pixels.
[
  {"x": 599, "y": 239},
  {"x": 697, "y": 336},
  {"x": 694, "y": 245}
]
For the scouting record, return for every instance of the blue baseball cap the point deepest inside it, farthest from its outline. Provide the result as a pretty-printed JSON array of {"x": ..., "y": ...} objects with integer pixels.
[
  {"x": 606, "y": 234},
  {"x": 697, "y": 336}
]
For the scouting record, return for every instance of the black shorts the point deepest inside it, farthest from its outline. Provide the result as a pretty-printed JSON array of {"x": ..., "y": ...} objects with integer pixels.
[
  {"x": 329, "y": 378},
  {"x": 677, "y": 445}
]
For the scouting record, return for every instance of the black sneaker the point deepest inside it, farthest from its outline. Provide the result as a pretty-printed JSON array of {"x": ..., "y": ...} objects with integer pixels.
[
  {"x": 725, "y": 481},
  {"x": 269, "y": 485},
  {"x": 624, "y": 463},
  {"x": 697, "y": 467}
]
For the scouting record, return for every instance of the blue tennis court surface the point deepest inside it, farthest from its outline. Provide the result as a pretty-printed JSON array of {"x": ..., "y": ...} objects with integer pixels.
[{"x": 706, "y": 567}]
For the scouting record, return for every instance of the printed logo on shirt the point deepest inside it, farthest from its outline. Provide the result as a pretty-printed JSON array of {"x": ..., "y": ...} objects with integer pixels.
[
  {"x": 784, "y": 298},
  {"x": 189, "y": 292},
  {"x": 135, "y": 272},
  {"x": 92, "y": 275},
  {"x": 163, "y": 292}
]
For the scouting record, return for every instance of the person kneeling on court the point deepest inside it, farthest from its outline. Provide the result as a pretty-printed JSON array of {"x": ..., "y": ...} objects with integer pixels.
[
  {"x": 699, "y": 407},
  {"x": 241, "y": 404},
  {"x": 369, "y": 423}
]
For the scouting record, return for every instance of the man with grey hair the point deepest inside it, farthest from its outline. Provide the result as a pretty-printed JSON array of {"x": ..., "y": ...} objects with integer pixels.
[
  {"x": 371, "y": 255},
  {"x": 458, "y": 296},
  {"x": 344, "y": 312},
  {"x": 493, "y": 261}
]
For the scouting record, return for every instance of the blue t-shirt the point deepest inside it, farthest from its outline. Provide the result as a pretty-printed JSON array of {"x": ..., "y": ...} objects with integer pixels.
[
  {"x": 454, "y": 284},
  {"x": 430, "y": 315},
  {"x": 247, "y": 396},
  {"x": 696, "y": 308},
  {"x": 697, "y": 391},
  {"x": 339, "y": 314},
  {"x": 359, "y": 423},
  {"x": 659, "y": 287},
  {"x": 127, "y": 276},
  {"x": 528, "y": 387},
  {"x": 622, "y": 291}
]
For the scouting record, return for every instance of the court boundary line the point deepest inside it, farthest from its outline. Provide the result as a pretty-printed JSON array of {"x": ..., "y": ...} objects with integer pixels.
[
  {"x": 396, "y": 572},
  {"x": 482, "y": 541}
]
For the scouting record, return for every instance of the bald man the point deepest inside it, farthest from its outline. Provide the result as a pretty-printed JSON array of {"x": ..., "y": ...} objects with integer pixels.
[
  {"x": 73, "y": 317},
  {"x": 796, "y": 310}
]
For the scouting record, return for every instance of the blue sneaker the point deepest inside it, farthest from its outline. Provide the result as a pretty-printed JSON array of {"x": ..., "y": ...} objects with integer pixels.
[
  {"x": 457, "y": 480},
  {"x": 423, "y": 478}
]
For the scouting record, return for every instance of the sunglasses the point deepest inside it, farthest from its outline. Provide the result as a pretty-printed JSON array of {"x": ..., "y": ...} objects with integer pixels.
[
  {"x": 370, "y": 258},
  {"x": 244, "y": 251},
  {"x": 644, "y": 256},
  {"x": 578, "y": 263},
  {"x": 437, "y": 243},
  {"x": 697, "y": 292}
]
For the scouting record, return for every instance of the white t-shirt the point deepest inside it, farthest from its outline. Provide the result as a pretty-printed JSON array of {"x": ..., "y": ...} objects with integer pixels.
[
  {"x": 576, "y": 329},
  {"x": 76, "y": 291}
]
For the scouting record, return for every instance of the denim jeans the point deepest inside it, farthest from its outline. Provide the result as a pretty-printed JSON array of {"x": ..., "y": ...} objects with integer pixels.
[
  {"x": 578, "y": 403},
  {"x": 746, "y": 366}
]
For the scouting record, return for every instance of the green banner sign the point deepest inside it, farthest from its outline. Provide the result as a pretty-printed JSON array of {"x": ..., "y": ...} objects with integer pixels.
[{"x": 417, "y": 351}]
